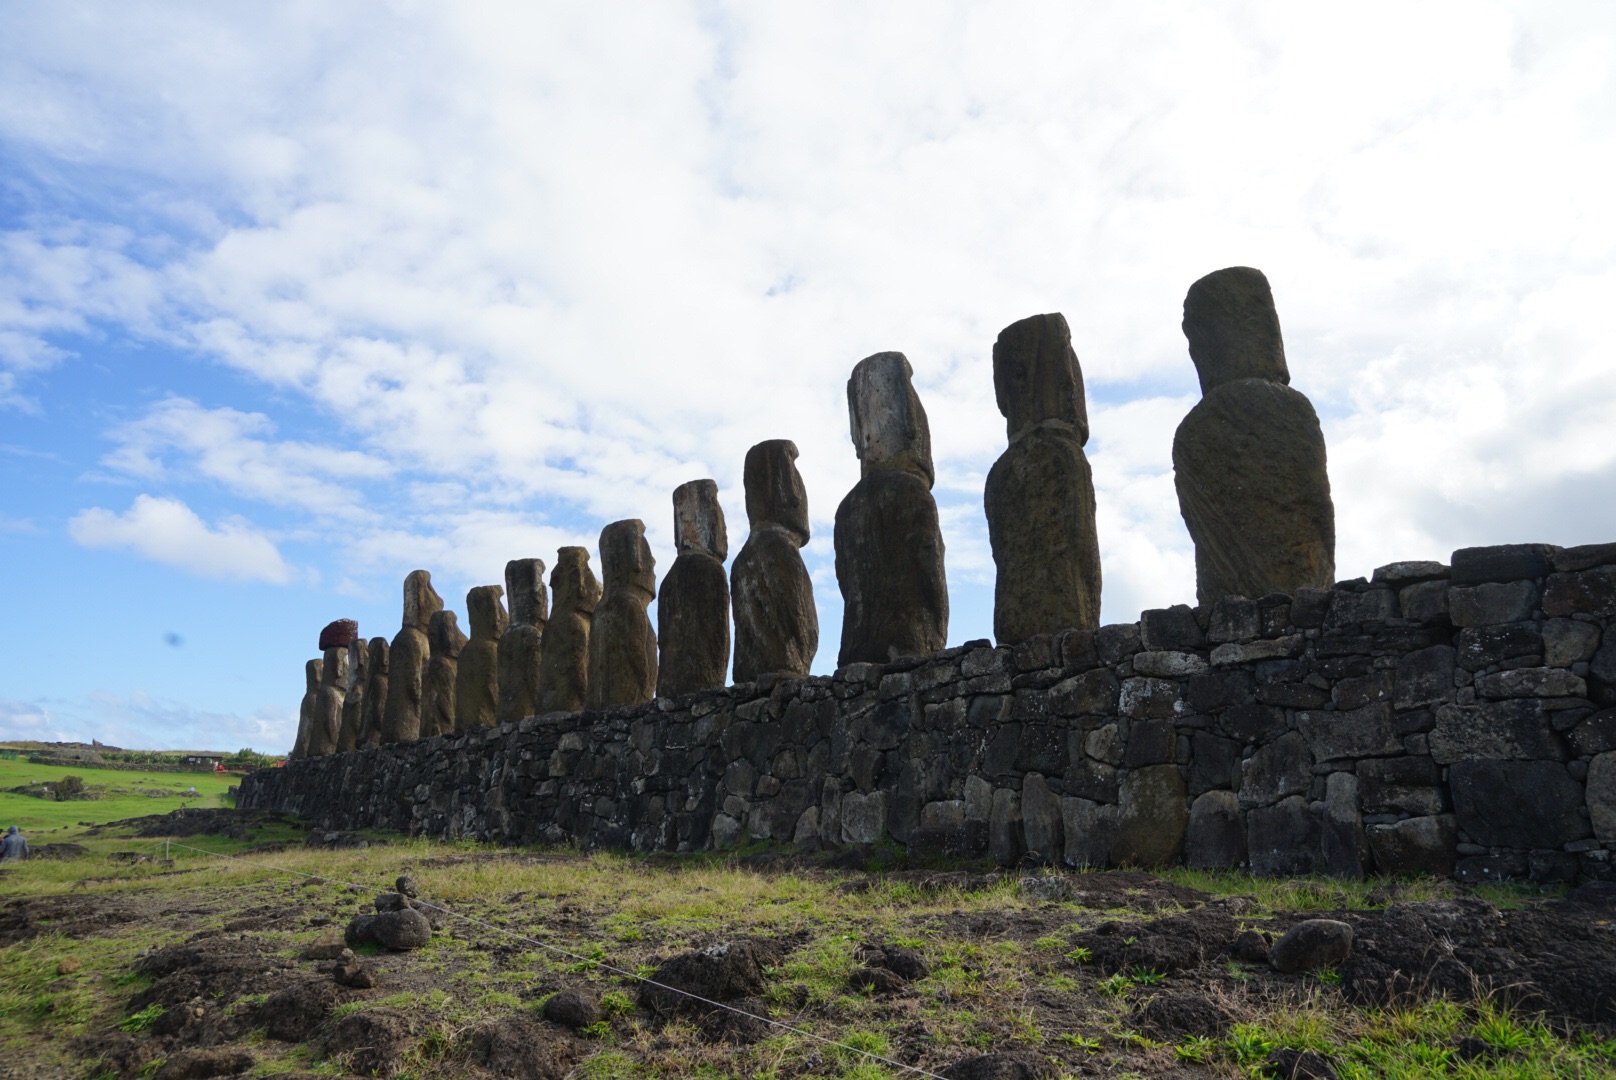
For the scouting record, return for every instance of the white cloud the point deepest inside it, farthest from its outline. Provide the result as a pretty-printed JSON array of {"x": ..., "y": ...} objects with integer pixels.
[{"x": 168, "y": 531}]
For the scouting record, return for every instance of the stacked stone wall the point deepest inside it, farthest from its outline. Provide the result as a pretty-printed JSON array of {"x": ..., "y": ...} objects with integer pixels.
[{"x": 1450, "y": 719}]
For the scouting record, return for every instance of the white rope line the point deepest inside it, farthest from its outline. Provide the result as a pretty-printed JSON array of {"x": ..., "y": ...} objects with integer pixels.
[{"x": 580, "y": 958}]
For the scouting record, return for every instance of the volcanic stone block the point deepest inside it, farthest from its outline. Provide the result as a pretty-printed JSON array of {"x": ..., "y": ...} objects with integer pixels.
[
  {"x": 693, "y": 605},
  {"x": 1150, "y": 831},
  {"x": 477, "y": 678},
  {"x": 1501, "y": 562},
  {"x": 408, "y": 659},
  {"x": 1283, "y": 838},
  {"x": 1602, "y": 796},
  {"x": 1491, "y": 603},
  {"x": 1040, "y": 493},
  {"x": 353, "y": 702},
  {"x": 374, "y": 706},
  {"x": 889, "y": 544},
  {"x": 776, "y": 623},
  {"x": 446, "y": 642},
  {"x": 622, "y": 644},
  {"x": 1249, "y": 460},
  {"x": 326, "y": 725},
  {"x": 306, "y": 709},
  {"x": 1517, "y": 804},
  {"x": 1283, "y": 767},
  {"x": 338, "y": 634},
  {"x": 564, "y": 662},
  {"x": 521, "y": 646},
  {"x": 1216, "y": 837},
  {"x": 1041, "y": 821},
  {"x": 1341, "y": 835},
  {"x": 1500, "y": 729},
  {"x": 1416, "y": 845},
  {"x": 1091, "y": 829}
]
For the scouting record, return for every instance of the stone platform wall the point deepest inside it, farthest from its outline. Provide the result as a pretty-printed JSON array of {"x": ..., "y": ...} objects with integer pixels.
[{"x": 1456, "y": 720}]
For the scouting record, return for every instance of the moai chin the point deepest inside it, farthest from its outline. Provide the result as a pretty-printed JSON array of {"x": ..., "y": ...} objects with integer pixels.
[
  {"x": 407, "y": 660},
  {"x": 1248, "y": 460},
  {"x": 521, "y": 646},
  {"x": 771, "y": 594},
  {"x": 353, "y": 702},
  {"x": 1039, "y": 495},
  {"x": 444, "y": 643},
  {"x": 622, "y": 645},
  {"x": 889, "y": 544},
  {"x": 564, "y": 661},
  {"x": 325, "y": 727},
  {"x": 477, "y": 685},
  {"x": 306, "y": 709},
  {"x": 693, "y": 605},
  {"x": 373, "y": 708}
]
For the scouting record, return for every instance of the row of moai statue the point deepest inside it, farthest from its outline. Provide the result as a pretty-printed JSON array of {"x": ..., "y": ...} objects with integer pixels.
[{"x": 1249, "y": 467}]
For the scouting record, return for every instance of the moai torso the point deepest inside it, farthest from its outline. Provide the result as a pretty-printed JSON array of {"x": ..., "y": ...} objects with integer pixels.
[
  {"x": 353, "y": 702},
  {"x": 889, "y": 544},
  {"x": 306, "y": 710},
  {"x": 622, "y": 645},
  {"x": 693, "y": 604},
  {"x": 408, "y": 659},
  {"x": 444, "y": 642},
  {"x": 326, "y": 724},
  {"x": 564, "y": 661},
  {"x": 521, "y": 646},
  {"x": 1248, "y": 460},
  {"x": 776, "y": 622},
  {"x": 477, "y": 685},
  {"x": 374, "y": 706},
  {"x": 1040, "y": 493}
]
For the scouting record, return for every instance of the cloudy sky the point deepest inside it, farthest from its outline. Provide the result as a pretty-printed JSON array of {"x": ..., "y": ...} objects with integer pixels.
[{"x": 296, "y": 298}]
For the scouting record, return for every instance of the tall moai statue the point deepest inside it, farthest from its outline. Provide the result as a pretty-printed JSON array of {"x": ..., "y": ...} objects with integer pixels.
[
  {"x": 1248, "y": 460},
  {"x": 407, "y": 660},
  {"x": 622, "y": 645},
  {"x": 693, "y": 604},
  {"x": 889, "y": 545},
  {"x": 477, "y": 685},
  {"x": 1040, "y": 493},
  {"x": 776, "y": 622},
  {"x": 353, "y": 701},
  {"x": 523, "y": 641},
  {"x": 445, "y": 642},
  {"x": 306, "y": 709},
  {"x": 564, "y": 661},
  {"x": 374, "y": 707},
  {"x": 326, "y": 724}
]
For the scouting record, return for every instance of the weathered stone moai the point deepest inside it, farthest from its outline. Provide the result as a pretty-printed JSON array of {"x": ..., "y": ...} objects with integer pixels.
[
  {"x": 1248, "y": 460},
  {"x": 477, "y": 685},
  {"x": 622, "y": 644},
  {"x": 445, "y": 641},
  {"x": 889, "y": 545},
  {"x": 305, "y": 710},
  {"x": 353, "y": 701},
  {"x": 693, "y": 604},
  {"x": 776, "y": 622},
  {"x": 374, "y": 707},
  {"x": 520, "y": 648},
  {"x": 564, "y": 662},
  {"x": 1040, "y": 493},
  {"x": 325, "y": 727},
  {"x": 407, "y": 660}
]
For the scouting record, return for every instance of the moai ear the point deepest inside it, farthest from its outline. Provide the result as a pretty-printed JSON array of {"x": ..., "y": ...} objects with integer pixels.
[{"x": 888, "y": 422}]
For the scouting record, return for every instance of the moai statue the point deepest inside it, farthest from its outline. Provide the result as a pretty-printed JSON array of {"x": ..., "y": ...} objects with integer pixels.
[
  {"x": 776, "y": 623},
  {"x": 1248, "y": 460},
  {"x": 693, "y": 604},
  {"x": 622, "y": 645},
  {"x": 326, "y": 725},
  {"x": 889, "y": 545},
  {"x": 1040, "y": 493},
  {"x": 353, "y": 701},
  {"x": 445, "y": 641},
  {"x": 306, "y": 710},
  {"x": 374, "y": 707},
  {"x": 477, "y": 685},
  {"x": 564, "y": 662},
  {"x": 523, "y": 640},
  {"x": 401, "y": 721}
]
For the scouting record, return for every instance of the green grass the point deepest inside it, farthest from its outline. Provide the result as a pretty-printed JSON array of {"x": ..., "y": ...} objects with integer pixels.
[{"x": 35, "y": 815}]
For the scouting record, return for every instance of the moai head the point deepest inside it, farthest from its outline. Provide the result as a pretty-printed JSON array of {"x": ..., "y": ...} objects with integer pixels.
[
  {"x": 487, "y": 614},
  {"x": 420, "y": 600},
  {"x": 334, "y": 669},
  {"x": 1036, "y": 377},
  {"x": 444, "y": 636},
  {"x": 775, "y": 494},
  {"x": 698, "y": 520},
  {"x": 1233, "y": 329},
  {"x": 524, "y": 584},
  {"x": 625, "y": 558},
  {"x": 573, "y": 584},
  {"x": 358, "y": 663},
  {"x": 889, "y": 423},
  {"x": 380, "y": 657},
  {"x": 311, "y": 676}
]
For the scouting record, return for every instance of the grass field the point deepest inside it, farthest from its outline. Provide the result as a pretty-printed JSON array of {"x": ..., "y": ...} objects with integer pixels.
[{"x": 122, "y": 793}]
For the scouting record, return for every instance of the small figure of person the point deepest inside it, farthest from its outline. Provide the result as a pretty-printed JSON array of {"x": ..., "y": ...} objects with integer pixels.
[{"x": 13, "y": 848}]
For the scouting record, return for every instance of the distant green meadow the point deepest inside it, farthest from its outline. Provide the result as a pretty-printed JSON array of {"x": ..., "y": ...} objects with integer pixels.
[{"x": 120, "y": 794}]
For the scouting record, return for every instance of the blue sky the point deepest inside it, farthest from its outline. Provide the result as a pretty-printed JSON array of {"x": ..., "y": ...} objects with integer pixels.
[{"x": 294, "y": 300}]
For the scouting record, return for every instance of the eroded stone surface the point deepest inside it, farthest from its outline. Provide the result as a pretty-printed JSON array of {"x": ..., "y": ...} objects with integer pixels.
[
  {"x": 693, "y": 604},
  {"x": 521, "y": 646},
  {"x": 353, "y": 701},
  {"x": 325, "y": 726},
  {"x": 445, "y": 643},
  {"x": 408, "y": 659},
  {"x": 776, "y": 623},
  {"x": 564, "y": 662},
  {"x": 622, "y": 644},
  {"x": 477, "y": 679},
  {"x": 305, "y": 710},
  {"x": 374, "y": 706}
]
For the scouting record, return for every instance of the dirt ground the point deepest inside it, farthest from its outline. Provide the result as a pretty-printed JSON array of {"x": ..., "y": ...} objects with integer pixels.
[{"x": 214, "y": 966}]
